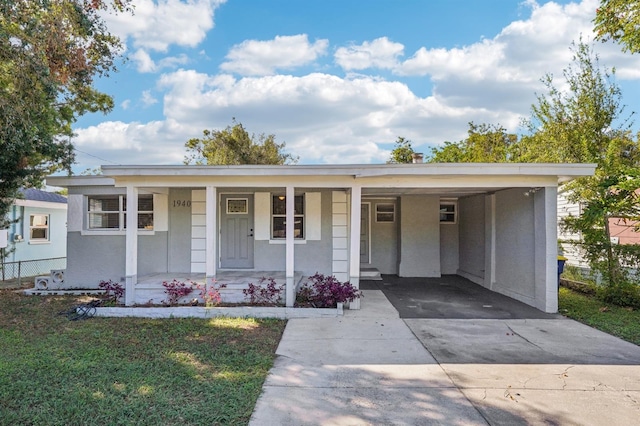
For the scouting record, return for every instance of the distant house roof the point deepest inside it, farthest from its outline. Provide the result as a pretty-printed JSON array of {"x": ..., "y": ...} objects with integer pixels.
[{"x": 38, "y": 195}]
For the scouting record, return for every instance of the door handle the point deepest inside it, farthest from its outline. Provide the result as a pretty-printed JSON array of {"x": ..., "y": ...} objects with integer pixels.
[{"x": 250, "y": 233}]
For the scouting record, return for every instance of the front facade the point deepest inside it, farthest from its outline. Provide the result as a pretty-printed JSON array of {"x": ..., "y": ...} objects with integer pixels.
[{"x": 493, "y": 224}]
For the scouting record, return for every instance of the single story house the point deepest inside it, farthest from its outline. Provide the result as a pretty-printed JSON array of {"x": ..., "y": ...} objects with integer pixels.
[
  {"x": 494, "y": 224},
  {"x": 38, "y": 233}
]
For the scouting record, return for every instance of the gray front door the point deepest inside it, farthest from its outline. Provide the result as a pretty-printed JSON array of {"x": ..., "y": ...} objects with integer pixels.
[
  {"x": 364, "y": 233},
  {"x": 236, "y": 231}
]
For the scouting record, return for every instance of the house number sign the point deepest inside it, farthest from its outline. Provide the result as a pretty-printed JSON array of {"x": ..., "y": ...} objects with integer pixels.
[{"x": 181, "y": 203}]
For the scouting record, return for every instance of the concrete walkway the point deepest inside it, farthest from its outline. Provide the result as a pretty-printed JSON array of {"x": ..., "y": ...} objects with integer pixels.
[{"x": 371, "y": 368}]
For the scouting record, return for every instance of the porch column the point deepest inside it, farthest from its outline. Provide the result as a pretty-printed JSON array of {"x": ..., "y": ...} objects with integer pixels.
[
  {"x": 211, "y": 243},
  {"x": 546, "y": 249},
  {"x": 131, "y": 246},
  {"x": 290, "y": 289},
  {"x": 489, "y": 241},
  {"x": 354, "y": 242}
]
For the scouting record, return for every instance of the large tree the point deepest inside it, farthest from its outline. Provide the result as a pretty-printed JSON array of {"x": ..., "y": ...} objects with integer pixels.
[
  {"x": 486, "y": 143},
  {"x": 234, "y": 145},
  {"x": 402, "y": 152},
  {"x": 50, "y": 53},
  {"x": 619, "y": 20},
  {"x": 586, "y": 123}
]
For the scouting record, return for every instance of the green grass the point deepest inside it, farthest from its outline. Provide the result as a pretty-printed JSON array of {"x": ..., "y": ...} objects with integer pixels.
[
  {"x": 121, "y": 371},
  {"x": 612, "y": 319}
]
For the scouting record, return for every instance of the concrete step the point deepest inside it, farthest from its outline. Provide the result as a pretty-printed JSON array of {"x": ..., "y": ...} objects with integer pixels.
[{"x": 368, "y": 273}]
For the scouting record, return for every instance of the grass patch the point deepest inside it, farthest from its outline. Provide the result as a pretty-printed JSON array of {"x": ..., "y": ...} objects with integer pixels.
[
  {"x": 120, "y": 371},
  {"x": 612, "y": 319}
]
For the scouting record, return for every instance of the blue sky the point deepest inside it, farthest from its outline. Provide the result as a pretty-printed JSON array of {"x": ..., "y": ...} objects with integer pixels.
[{"x": 337, "y": 80}]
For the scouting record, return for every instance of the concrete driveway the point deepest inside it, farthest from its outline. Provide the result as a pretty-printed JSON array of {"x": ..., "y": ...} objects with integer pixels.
[{"x": 372, "y": 367}]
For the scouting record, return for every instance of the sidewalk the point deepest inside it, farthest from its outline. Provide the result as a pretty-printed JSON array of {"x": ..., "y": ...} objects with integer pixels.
[{"x": 364, "y": 368}]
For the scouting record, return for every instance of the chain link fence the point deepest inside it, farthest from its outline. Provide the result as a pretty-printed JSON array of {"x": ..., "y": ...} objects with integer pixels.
[{"x": 25, "y": 269}]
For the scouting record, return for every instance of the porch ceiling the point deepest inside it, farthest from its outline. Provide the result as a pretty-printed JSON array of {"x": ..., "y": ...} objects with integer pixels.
[{"x": 443, "y": 192}]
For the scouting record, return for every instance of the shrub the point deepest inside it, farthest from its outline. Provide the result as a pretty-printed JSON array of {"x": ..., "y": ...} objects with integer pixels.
[
  {"x": 326, "y": 292},
  {"x": 210, "y": 295},
  {"x": 269, "y": 295},
  {"x": 112, "y": 290},
  {"x": 624, "y": 294},
  {"x": 176, "y": 290}
]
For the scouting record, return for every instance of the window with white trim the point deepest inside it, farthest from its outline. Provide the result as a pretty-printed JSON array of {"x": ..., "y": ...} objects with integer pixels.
[
  {"x": 109, "y": 212},
  {"x": 279, "y": 217},
  {"x": 39, "y": 227},
  {"x": 448, "y": 212}
]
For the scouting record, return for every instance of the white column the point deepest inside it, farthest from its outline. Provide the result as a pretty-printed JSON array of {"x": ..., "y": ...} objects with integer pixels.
[
  {"x": 290, "y": 246},
  {"x": 354, "y": 242},
  {"x": 546, "y": 249},
  {"x": 211, "y": 243},
  {"x": 131, "y": 247}
]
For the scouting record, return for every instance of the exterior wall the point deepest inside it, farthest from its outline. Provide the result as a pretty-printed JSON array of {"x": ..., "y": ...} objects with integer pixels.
[
  {"x": 384, "y": 240},
  {"x": 419, "y": 236},
  {"x": 26, "y": 249},
  {"x": 515, "y": 245},
  {"x": 570, "y": 251},
  {"x": 471, "y": 226},
  {"x": 179, "y": 245}
]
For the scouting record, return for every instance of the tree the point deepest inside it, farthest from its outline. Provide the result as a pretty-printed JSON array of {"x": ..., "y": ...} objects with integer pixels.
[
  {"x": 619, "y": 20},
  {"x": 486, "y": 144},
  {"x": 402, "y": 153},
  {"x": 50, "y": 53},
  {"x": 234, "y": 145},
  {"x": 586, "y": 124}
]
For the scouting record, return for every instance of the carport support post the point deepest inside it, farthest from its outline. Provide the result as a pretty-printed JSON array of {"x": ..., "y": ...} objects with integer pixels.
[
  {"x": 290, "y": 289},
  {"x": 546, "y": 248},
  {"x": 354, "y": 242},
  {"x": 211, "y": 256},
  {"x": 131, "y": 246}
]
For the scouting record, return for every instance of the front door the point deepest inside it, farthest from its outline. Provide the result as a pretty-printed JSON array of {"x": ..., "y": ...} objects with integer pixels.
[
  {"x": 364, "y": 234},
  {"x": 236, "y": 231}
]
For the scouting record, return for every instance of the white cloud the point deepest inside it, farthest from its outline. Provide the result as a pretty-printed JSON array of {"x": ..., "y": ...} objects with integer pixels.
[
  {"x": 326, "y": 118},
  {"x": 156, "y": 26},
  {"x": 254, "y": 57},
  {"x": 148, "y": 99},
  {"x": 144, "y": 63},
  {"x": 380, "y": 53},
  {"x": 125, "y": 104}
]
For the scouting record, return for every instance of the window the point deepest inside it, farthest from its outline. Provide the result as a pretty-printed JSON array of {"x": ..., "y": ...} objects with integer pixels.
[
  {"x": 109, "y": 212},
  {"x": 39, "y": 227},
  {"x": 448, "y": 213},
  {"x": 278, "y": 217},
  {"x": 385, "y": 212}
]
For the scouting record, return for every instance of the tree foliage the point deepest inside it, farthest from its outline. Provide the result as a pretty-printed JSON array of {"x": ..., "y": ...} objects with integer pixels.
[
  {"x": 402, "y": 152},
  {"x": 486, "y": 143},
  {"x": 50, "y": 53},
  {"x": 619, "y": 20},
  {"x": 234, "y": 145}
]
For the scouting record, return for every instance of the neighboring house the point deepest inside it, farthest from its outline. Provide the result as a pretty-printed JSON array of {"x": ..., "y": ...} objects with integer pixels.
[
  {"x": 494, "y": 224},
  {"x": 622, "y": 231},
  {"x": 39, "y": 230}
]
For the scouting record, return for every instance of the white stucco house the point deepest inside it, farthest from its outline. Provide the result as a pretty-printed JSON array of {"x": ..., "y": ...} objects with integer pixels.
[{"x": 494, "y": 224}]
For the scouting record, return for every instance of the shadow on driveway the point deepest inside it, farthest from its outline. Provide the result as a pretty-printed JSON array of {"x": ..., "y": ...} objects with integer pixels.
[{"x": 452, "y": 297}]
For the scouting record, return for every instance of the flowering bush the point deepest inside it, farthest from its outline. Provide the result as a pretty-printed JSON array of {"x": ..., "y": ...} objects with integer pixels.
[
  {"x": 176, "y": 290},
  {"x": 326, "y": 292},
  {"x": 269, "y": 295},
  {"x": 114, "y": 291},
  {"x": 211, "y": 294}
]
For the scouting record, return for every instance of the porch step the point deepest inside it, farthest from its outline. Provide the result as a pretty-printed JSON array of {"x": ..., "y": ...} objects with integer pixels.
[{"x": 370, "y": 274}]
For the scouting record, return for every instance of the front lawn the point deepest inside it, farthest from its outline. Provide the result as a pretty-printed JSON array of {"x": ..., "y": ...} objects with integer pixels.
[
  {"x": 612, "y": 319},
  {"x": 128, "y": 370}
]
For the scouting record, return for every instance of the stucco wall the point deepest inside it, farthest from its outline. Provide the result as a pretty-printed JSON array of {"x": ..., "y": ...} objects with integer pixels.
[
  {"x": 471, "y": 220},
  {"x": 310, "y": 256},
  {"x": 419, "y": 236},
  {"x": 515, "y": 244},
  {"x": 384, "y": 240}
]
